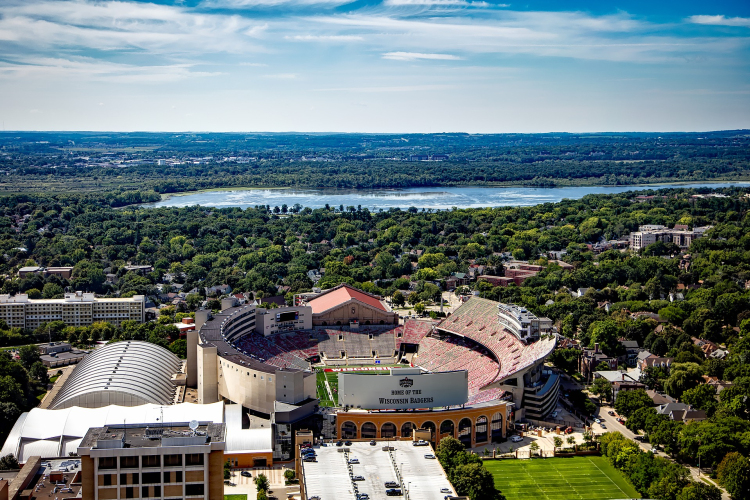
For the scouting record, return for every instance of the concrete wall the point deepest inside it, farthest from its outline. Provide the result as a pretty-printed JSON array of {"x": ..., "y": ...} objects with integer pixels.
[
  {"x": 192, "y": 358},
  {"x": 355, "y": 310},
  {"x": 207, "y": 374},
  {"x": 242, "y": 385}
]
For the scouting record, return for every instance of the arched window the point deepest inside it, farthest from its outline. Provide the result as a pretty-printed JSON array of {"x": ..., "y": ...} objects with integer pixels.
[
  {"x": 388, "y": 430},
  {"x": 369, "y": 431},
  {"x": 406, "y": 429},
  {"x": 349, "y": 430},
  {"x": 447, "y": 428},
  {"x": 481, "y": 430},
  {"x": 464, "y": 432},
  {"x": 496, "y": 427},
  {"x": 430, "y": 426}
]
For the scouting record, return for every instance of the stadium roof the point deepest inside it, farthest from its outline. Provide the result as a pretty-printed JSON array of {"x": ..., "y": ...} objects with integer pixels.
[
  {"x": 56, "y": 433},
  {"x": 340, "y": 295},
  {"x": 141, "y": 371},
  {"x": 477, "y": 319}
]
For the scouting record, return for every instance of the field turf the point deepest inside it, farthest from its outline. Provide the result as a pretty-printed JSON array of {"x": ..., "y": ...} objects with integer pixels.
[{"x": 582, "y": 478}]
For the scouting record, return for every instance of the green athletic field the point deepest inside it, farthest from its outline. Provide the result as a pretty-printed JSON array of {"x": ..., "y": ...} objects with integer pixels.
[
  {"x": 333, "y": 382},
  {"x": 582, "y": 478}
]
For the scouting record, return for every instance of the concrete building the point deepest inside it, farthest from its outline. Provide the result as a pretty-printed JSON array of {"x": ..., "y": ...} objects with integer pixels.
[
  {"x": 522, "y": 323},
  {"x": 146, "y": 461},
  {"x": 63, "y": 272},
  {"x": 75, "y": 309},
  {"x": 647, "y": 236}
]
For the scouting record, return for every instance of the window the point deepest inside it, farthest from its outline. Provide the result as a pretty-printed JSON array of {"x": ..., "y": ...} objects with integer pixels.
[
  {"x": 193, "y": 489},
  {"x": 107, "y": 479},
  {"x": 129, "y": 492},
  {"x": 133, "y": 478},
  {"x": 107, "y": 463},
  {"x": 151, "y": 461},
  {"x": 128, "y": 462},
  {"x": 173, "y": 476},
  {"x": 172, "y": 460},
  {"x": 194, "y": 459},
  {"x": 151, "y": 477}
]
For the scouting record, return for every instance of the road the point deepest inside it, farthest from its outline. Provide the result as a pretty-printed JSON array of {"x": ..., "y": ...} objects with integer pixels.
[{"x": 614, "y": 425}]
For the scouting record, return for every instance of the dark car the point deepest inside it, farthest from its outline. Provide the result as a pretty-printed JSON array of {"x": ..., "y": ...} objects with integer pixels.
[
  {"x": 348, "y": 443},
  {"x": 394, "y": 492},
  {"x": 373, "y": 443},
  {"x": 245, "y": 474},
  {"x": 391, "y": 484},
  {"x": 309, "y": 459},
  {"x": 339, "y": 443},
  {"x": 358, "y": 478}
]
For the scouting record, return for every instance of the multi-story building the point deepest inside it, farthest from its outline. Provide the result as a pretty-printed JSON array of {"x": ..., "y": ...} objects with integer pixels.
[
  {"x": 75, "y": 309},
  {"x": 522, "y": 323},
  {"x": 647, "y": 235},
  {"x": 140, "y": 461}
]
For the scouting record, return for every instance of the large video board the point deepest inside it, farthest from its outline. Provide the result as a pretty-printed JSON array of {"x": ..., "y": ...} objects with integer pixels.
[{"x": 403, "y": 388}]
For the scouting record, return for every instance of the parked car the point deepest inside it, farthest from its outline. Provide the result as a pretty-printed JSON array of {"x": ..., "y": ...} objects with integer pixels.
[
  {"x": 245, "y": 474},
  {"x": 353, "y": 460},
  {"x": 430, "y": 456},
  {"x": 421, "y": 442},
  {"x": 394, "y": 492},
  {"x": 309, "y": 459},
  {"x": 358, "y": 478},
  {"x": 445, "y": 490},
  {"x": 597, "y": 420},
  {"x": 569, "y": 430},
  {"x": 391, "y": 484},
  {"x": 611, "y": 413},
  {"x": 373, "y": 443},
  {"x": 603, "y": 425},
  {"x": 638, "y": 438},
  {"x": 363, "y": 496},
  {"x": 339, "y": 443},
  {"x": 348, "y": 443},
  {"x": 516, "y": 439}
]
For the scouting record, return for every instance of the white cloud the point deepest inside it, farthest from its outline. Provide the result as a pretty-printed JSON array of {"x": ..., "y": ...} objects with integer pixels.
[
  {"x": 443, "y": 3},
  {"x": 245, "y": 4},
  {"x": 721, "y": 20},
  {"x": 325, "y": 38},
  {"x": 414, "y": 56},
  {"x": 282, "y": 76},
  {"x": 402, "y": 88}
]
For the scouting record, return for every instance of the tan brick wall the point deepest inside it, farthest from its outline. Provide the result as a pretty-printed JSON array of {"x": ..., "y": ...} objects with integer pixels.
[
  {"x": 174, "y": 490},
  {"x": 107, "y": 493},
  {"x": 87, "y": 477},
  {"x": 193, "y": 476},
  {"x": 216, "y": 475}
]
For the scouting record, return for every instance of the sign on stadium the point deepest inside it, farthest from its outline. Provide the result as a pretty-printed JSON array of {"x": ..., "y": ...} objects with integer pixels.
[{"x": 402, "y": 389}]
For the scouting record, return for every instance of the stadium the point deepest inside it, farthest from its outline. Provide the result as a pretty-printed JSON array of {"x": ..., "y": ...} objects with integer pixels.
[{"x": 484, "y": 365}]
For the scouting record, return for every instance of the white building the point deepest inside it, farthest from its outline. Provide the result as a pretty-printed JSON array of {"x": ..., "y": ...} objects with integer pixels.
[{"x": 75, "y": 309}]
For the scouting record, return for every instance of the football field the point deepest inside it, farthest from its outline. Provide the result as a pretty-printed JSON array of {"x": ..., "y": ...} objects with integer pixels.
[{"x": 582, "y": 478}]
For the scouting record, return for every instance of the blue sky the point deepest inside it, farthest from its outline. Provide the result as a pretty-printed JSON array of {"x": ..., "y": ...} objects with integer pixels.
[{"x": 374, "y": 66}]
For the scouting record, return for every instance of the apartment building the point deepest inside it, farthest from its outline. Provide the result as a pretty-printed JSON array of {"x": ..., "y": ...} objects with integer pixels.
[
  {"x": 140, "y": 461},
  {"x": 648, "y": 235},
  {"x": 75, "y": 309}
]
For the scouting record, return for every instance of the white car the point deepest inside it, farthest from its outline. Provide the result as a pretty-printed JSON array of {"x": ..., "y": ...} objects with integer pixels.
[
  {"x": 597, "y": 421},
  {"x": 516, "y": 439},
  {"x": 430, "y": 456},
  {"x": 445, "y": 490}
]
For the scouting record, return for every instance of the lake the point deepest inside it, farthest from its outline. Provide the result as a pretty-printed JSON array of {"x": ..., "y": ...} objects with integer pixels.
[{"x": 441, "y": 198}]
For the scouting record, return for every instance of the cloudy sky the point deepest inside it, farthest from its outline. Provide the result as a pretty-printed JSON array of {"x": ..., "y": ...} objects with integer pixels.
[{"x": 375, "y": 65}]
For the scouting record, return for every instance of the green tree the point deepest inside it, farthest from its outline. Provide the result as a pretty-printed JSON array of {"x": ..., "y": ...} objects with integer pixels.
[
  {"x": 52, "y": 291},
  {"x": 628, "y": 402},
  {"x": 734, "y": 475},
  {"x": 9, "y": 462},
  {"x": 179, "y": 347},
  {"x": 602, "y": 388},
  {"x": 558, "y": 442},
  {"x": 39, "y": 372},
  {"x": 419, "y": 308},
  {"x": 261, "y": 482},
  {"x": 534, "y": 448},
  {"x": 476, "y": 482},
  {"x": 28, "y": 355},
  {"x": 699, "y": 491},
  {"x": 398, "y": 299},
  {"x": 702, "y": 397}
]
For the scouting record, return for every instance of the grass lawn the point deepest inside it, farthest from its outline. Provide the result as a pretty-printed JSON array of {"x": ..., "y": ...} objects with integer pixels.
[
  {"x": 322, "y": 390},
  {"x": 235, "y": 497},
  {"x": 583, "y": 478}
]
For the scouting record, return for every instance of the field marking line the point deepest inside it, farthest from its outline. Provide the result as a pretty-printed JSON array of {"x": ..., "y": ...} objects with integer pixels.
[
  {"x": 568, "y": 482},
  {"x": 542, "y": 491},
  {"x": 610, "y": 479}
]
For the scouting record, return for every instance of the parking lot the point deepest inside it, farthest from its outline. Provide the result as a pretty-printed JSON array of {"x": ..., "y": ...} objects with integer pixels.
[{"x": 329, "y": 476}]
